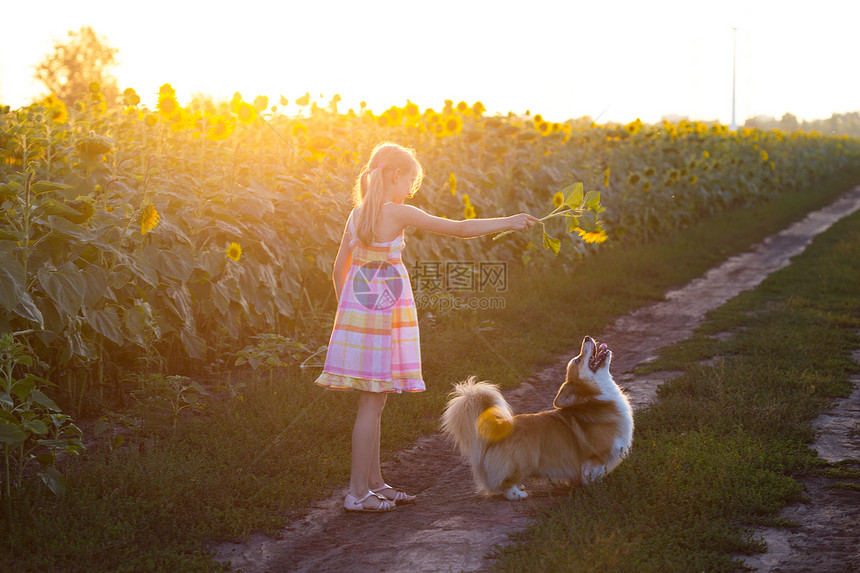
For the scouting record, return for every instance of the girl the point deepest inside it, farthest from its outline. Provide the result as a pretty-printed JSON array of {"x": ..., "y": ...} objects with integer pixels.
[{"x": 374, "y": 345}]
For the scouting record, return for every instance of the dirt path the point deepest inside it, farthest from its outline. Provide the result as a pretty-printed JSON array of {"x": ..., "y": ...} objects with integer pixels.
[
  {"x": 827, "y": 537},
  {"x": 451, "y": 528}
]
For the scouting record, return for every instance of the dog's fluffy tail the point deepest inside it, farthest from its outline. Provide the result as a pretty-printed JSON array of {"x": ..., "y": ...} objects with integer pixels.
[{"x": 476, "y": 415}]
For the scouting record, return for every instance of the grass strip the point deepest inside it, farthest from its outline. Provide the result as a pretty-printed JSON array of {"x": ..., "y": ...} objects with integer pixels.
[
  {"x": 719, "y": 451},
  {"x": 153, "y": 503}
]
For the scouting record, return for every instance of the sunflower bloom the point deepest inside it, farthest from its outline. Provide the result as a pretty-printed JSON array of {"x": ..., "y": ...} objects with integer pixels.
[
  {"x": 234, "y": 251},
  {"x": 261, "y": 102},
  {"x": 56, "y": 109},
  {"x": 606, "y": 178},
  {"x": 219, "y": 128},
  {"x": 130, "y": 97},
  {"x": 634, "y": 127},
  {"x": 148, "y": 219},
  {"x": 246, "y": 112},
  {"x": 167, "y": 106},
  {"x": 452, "y": 182},
  {"x": 451, "y": 125},
  {"x": 558, "y": 199},
  {"x": 596, "y": 237},
  {"x": 469, "y": 212},
  {"x": 764, "y": 156}
]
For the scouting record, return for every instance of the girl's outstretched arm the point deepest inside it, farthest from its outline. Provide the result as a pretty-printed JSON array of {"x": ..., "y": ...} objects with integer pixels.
[{"x": 402, "y": 216}]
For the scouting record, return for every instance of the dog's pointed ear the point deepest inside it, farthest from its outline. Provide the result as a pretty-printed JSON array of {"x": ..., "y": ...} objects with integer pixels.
[{"x": 566, "y": 395}]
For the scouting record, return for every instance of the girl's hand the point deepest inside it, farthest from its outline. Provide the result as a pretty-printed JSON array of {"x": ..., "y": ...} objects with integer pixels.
[{"x": 521, "y": 222}]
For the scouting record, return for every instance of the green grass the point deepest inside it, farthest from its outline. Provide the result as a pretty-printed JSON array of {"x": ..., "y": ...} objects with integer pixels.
[
  {"x": 249, "y": 463},
  {"x": 719, "y": 451}
]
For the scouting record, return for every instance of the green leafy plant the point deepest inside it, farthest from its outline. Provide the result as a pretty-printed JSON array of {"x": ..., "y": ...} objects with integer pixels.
[
  {"x": 33, "y": 430},
  {"x": 276, "y": 351},
  {"x": 172, "y": 394}
]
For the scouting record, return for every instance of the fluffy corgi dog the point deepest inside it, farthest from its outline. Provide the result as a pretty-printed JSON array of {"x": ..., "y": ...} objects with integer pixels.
[{"x": 585, "y": 435}]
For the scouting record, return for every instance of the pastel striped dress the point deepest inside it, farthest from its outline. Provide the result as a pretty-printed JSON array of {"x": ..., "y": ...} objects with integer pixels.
[{"x": 374, "y": 344}]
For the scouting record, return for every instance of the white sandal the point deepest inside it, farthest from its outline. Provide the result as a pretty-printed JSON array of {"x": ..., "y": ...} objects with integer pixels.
[
  {"x": 350, "y": 503},
  {"x": 400, "y": 496}
]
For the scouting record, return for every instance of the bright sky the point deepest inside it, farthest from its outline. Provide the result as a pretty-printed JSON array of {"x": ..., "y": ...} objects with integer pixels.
[{"x": 610, "y": 59}]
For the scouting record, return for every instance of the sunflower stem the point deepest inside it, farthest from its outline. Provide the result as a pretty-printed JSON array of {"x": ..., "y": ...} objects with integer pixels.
[{"x": 554, "y": 213}]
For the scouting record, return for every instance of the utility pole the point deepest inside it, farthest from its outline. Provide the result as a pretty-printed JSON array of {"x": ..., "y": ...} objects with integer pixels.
[{"x": 734, "y": 124}]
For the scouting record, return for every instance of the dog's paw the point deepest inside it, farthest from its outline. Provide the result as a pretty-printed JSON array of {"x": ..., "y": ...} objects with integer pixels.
[{"x": 514, "y": 493}]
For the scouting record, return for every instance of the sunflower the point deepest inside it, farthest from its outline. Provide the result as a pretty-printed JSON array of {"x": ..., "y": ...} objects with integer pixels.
[
  {"x": 166, "y": 90},
  {"x": 148, "y": 219},
  {"x": 764, "y": 156},
  {"x": 298, "y": 129},
  {"x": 167, "y": 105},
  {"x": 633, "y": 178},
  {"x": 451, "y": 125},
  {"x": 469, "y": 212},
  {"x": 394, "y": 114},
  {"x": 56, "y": 109},
  {"x": 261, "y": 102},
  {"x": 95, "y": 87},
  {"x": 246, "y": 112},
  {"x": 304, "y": 100},
  {"x": 558, "y": 199},
  {"x": 412, "y": 114},
  {"x": 234, "y": 251},
  {"x": 606, "y": 177},
  {"x": 598, "y": 236},
  {"x": 219, "y": 128},
  {"x": 478, "y": 108},
  {"x": 97, "y": 102},
  {"x": 452, "y": 182},
  {"x": 544, "y": 127},
  {"x": 151, "y": 119},
  {"x": 693, "y": 179},
  {"x": 130, "y": 97}
]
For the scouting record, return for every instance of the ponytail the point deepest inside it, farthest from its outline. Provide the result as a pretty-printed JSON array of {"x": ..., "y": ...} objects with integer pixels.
[{"x": 371, "y": 191}]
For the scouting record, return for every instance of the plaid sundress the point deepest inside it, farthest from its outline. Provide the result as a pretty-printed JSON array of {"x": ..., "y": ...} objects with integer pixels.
[{"x": 374, "y": 344}]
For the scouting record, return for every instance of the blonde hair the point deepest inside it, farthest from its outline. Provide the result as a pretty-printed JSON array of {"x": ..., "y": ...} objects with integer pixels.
[{"x": 369, "y": 187}]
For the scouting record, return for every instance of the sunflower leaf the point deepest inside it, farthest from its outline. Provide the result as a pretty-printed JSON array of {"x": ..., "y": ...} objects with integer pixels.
[
  {"x": 573, "y": 195},
  {"x": 551, "y": 243}
]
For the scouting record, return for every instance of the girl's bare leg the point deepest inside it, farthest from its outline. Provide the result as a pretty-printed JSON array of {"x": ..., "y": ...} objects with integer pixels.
[{"x": 365, "y": 445}]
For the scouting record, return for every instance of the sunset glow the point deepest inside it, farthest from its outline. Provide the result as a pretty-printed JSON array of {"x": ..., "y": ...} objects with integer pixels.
[{"x": 615, "y": 61}]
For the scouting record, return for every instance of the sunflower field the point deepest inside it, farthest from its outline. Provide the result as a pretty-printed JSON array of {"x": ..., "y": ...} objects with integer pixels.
[{"x": 165, "y": 240}]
